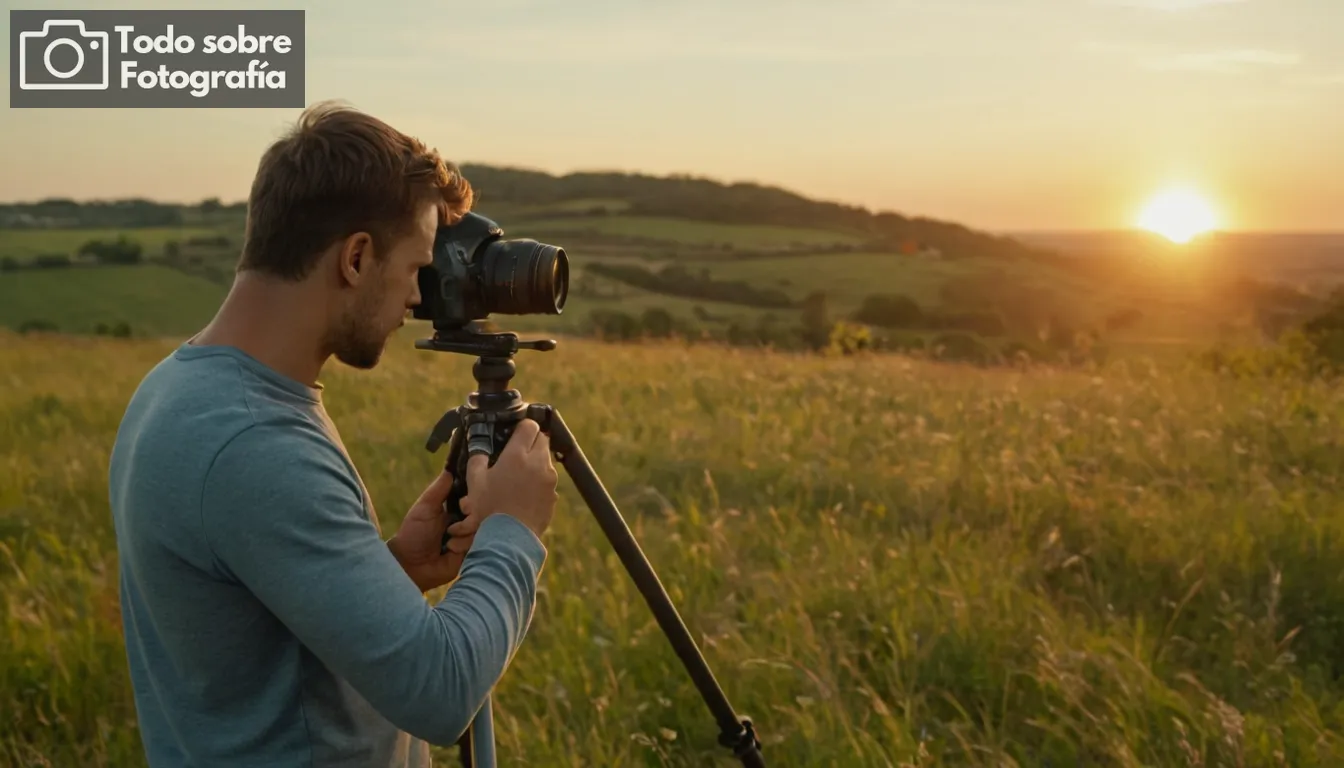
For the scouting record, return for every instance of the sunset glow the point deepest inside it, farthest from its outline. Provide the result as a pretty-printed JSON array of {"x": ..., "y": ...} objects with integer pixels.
[{"x": 1178, "y": 215}]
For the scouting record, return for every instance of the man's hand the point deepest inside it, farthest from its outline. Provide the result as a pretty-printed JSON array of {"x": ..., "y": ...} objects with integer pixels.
[
  {"x": 416, "y": 544},
  {"x": 520, "y": 484}
]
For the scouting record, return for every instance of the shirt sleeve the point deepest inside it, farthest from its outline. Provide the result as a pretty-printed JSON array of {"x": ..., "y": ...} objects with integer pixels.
[{"x": 283, "y": 517}]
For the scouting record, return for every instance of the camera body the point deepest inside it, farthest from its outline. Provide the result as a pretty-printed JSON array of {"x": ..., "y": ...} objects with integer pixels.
[
  {"x": 476, "y": 272},
  {"x": 44, "y": 58}
]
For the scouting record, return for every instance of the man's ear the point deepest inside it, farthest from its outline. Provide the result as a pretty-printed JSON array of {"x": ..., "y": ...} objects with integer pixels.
[{"x": 355, "y": 257}]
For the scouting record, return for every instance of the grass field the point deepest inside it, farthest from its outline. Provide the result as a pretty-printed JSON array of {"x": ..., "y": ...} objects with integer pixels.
[
  {"x": 152, "y": 299},
  {"x": 887, "y": 563},
  {"x": 24, "y": 244}
]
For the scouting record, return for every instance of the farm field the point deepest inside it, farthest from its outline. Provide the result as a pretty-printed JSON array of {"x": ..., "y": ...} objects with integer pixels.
[
  {"x": 849, "y": 277},
  {"x": 153, "y": 299},
  {"x": 24, "y": 244},
  {"x": 886, "y": 561}
]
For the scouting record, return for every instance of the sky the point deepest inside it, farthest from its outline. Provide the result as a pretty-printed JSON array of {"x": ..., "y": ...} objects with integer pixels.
[{"x": 1004, "y": 115}]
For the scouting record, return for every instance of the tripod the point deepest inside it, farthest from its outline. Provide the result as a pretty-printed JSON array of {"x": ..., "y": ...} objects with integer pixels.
[{"x": 484, "y": 425}]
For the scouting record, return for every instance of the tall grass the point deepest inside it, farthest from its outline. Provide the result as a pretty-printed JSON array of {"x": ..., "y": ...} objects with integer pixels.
[{"x": 886, "y": 563}]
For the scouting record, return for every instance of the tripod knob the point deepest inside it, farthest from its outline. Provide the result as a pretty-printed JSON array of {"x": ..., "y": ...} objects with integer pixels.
[{"x": 489, "y": 438}]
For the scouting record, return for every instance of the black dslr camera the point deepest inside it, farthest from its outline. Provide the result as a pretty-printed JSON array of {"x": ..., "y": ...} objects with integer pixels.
[{"x": 477, "y": 273}]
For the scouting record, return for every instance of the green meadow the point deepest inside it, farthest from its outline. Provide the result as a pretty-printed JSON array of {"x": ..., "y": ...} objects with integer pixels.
[{"x": 886, "y": 562}]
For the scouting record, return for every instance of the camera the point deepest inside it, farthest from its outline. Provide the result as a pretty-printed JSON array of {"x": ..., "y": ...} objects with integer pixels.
[
  {"x": 476, "y": 273},
  {"x": 64, "y": 56}
]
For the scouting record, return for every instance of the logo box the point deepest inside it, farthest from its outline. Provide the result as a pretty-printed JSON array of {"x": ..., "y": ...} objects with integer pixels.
[{"x": 156, "y": 59}]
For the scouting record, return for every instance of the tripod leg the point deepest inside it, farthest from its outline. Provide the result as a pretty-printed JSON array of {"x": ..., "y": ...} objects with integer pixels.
[
  {"x": 735, "y": 733},
  {"x": 476, "y": 747},
  {"x": 464, "y": 744}
]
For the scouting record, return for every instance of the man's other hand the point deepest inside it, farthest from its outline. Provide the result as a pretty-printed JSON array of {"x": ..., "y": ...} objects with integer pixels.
[
  {"x": 416, "y": 544},
  {"x": 520, "y": 484}
]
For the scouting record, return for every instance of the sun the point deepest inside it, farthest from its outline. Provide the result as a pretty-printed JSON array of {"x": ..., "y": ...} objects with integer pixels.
[{"x": 1178, "y": 215}]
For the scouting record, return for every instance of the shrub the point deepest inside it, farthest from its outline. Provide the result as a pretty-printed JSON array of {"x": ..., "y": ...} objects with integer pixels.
[
  {"x": 613, "y": 324},
  {"x": 888, "y": 310},
  {"x": 1294, "y": 356},
  {"x": 52, "y": 261},
  {"x": 37, "y": 326},
  {"x": 960, "y": 346},
  {"x": 849, "y": 339},
  {"x": 1325, "y": 335},
  {"x": 658, "y": 322}
]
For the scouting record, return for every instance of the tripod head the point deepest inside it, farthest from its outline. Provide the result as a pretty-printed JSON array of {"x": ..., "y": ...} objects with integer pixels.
[
  {"x": 494, "y": 407},
  {"x": 470, "y": 340}
]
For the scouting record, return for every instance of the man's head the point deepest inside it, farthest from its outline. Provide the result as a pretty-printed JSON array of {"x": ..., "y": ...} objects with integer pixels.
[{"x": 350, "y": 205}]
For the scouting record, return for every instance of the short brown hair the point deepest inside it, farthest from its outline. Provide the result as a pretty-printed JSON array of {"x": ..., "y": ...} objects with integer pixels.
[{"x": 336, "y": 172}]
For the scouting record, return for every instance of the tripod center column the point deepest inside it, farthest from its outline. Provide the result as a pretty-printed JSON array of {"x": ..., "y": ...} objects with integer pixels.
[{"x": 493, "y": 373}]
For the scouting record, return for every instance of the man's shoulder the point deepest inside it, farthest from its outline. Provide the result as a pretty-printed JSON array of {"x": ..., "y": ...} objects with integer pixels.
[
  {"x": 279, "y": 444},
  {"x": 195, "y": 405},
  {"x": 218, "y": 390}
]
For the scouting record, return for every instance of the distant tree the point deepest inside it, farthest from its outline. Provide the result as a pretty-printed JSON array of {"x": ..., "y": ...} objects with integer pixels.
[
  {"x": 816, "y": 320},
  {"x": 657, "y": 322},
  {"x": 1123, "y": 319},
  {"x": 987, "y": 323},
  {"x": 120, "y": 251},
  {"x": 52, "y": 261},
  {"x": 613, "y": 324},
  {"x": 37, "y": 326},
  {"x": 889, "y": 311},
  {"x": 1325, "y": 332},
  {"x": 960, "y": 346}
]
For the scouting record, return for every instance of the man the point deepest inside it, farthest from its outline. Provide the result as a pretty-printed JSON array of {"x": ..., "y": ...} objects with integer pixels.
[{"x": 267, "y": 622}]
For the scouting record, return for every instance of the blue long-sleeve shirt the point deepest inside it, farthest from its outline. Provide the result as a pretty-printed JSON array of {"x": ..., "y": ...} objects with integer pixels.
[{"x": 266, "y": 621}]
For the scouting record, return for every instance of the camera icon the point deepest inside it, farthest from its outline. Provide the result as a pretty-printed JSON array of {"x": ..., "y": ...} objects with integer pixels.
[{"x": 44, "y": 58}]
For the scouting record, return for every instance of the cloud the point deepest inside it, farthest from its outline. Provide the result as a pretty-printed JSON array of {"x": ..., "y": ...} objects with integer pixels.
[
  {"x": 1221, "y": 62},
  {"x": 1167, "y": 5},
  {"x": 1322, "y": 80}
]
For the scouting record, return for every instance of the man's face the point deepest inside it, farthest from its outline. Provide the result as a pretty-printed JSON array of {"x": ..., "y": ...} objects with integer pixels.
[{"x": 383, "y": 301}]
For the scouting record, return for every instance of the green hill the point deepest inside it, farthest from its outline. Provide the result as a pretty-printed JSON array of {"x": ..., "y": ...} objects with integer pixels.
[{"x": 714, "y": 258}]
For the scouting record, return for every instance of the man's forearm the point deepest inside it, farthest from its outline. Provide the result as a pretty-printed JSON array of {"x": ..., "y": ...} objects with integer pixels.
[
  {"x": 482, "y": 619},
  {"x": 297, "y": 536},
  {"x": 410, "y": 571}
]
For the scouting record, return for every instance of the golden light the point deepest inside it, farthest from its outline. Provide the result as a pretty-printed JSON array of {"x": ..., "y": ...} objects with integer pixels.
[{"x": 1178, "y": 215}]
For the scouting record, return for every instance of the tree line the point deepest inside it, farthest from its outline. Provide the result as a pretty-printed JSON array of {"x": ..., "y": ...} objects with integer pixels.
[
  {"x": 677, "y": 195},
  {"x": 677, "y": 280}
]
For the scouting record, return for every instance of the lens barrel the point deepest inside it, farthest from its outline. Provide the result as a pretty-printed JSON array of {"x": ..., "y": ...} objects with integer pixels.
[{"x": 524, "y": 277}]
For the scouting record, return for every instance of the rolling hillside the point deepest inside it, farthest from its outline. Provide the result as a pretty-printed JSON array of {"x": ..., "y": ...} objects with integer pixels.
[{"x": 705, "y": 258}]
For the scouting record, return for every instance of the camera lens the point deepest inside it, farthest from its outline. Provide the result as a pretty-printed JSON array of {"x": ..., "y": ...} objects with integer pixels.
[{"x": 524, "y": 277}]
